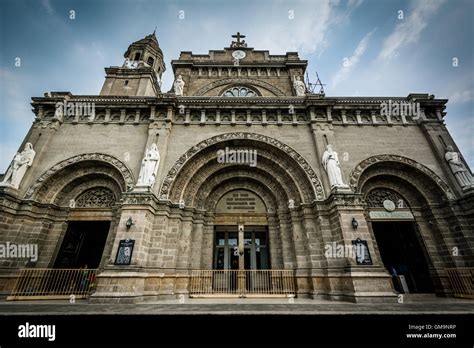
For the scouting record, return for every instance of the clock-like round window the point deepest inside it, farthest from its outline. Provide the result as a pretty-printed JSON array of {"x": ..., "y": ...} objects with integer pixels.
[{"x": 239, "y": 92}]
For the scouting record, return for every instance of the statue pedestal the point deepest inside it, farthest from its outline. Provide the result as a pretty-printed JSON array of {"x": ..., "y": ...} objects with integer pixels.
[
  {"x": 142, "y": 188},
  {"x": 8, "y": 189},
  {"x": 341, "y": 189},
  {"x": 468, "y": 189}
]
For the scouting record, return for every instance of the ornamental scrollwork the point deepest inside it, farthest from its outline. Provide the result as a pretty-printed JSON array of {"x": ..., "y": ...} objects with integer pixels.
[
  {"x": 376, "y": 197},
  {"x": 97, "y": 197}
]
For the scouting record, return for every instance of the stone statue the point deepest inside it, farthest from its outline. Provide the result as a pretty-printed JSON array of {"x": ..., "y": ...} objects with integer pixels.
[
  {"x": 129, "y": 64},
  {"x": 332, "y": 167},
  {"x": 21, "y": 162},
  {"x": 299, "y": 86},
  {"x": 179, "y": 86},
  {"x": 461, "y": 173},
  {"x": 149, "y": 167},
  {"x": 126, "y": 63}
]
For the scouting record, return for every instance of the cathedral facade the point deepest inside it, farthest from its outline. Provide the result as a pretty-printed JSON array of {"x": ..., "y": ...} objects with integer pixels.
[{"x": 236, "y": 181}]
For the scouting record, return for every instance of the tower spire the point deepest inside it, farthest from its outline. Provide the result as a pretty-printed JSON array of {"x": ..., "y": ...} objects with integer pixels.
[{"x": 141, "y": 72}]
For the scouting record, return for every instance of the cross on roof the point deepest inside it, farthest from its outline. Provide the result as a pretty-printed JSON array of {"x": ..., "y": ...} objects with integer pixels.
[
  {"x": 238, "y": 43},
  {"x": 238, "y": 37}
]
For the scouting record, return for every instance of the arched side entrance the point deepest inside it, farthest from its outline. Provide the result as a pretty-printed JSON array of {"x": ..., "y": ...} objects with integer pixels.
[
  {"x": 403, "y": 214},
  {"x": 399, "y": 242},
  {"x": 87, "y": 188}
]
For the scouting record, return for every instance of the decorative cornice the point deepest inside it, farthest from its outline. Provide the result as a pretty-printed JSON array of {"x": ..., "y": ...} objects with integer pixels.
[
  {"x": 171, "y": 98},
  {"x": 236, "y": 100}
]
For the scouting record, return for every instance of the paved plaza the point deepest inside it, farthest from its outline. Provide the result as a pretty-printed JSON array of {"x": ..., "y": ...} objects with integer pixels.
[{"x": 212, "y": 306}]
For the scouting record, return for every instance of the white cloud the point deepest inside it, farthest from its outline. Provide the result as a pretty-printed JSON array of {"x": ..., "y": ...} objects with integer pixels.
[
  {"x": 7, "y": 151},
  {"x": 460, "y": 97},
  {"x": 47, "y": 6},
  {"x": 409, "y": 29},
  {"x": 90, "y": 49},
  {"x": 354, "y": 3},
  {"x": 350, "y": 63},
  {"x": 304, "y": 33},
  {"x": 13, "y": 97}
]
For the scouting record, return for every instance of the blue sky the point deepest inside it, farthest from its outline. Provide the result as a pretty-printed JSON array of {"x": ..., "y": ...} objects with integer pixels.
[{"x": 386, "y": 55}]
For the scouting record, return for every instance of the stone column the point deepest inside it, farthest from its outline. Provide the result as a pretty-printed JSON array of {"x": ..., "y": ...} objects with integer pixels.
[
  {"x": 288, "y": 252},
  {"x": 438, "y": 138},
  {"x": 39, "y": 135},
  {"x": 196, "y": 243},
  {"x": 352, "y": 282},
  {"x": 276, "y": 257},
  {"x": 207, "y": 246},
  {"x": 126, "y": 283}
]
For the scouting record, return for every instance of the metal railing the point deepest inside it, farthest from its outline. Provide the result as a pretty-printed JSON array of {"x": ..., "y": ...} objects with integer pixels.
[
  {"x": 461, "y": 280},
  {"x": 40, "y": 283},
  {"x": 242, "y": 282}
]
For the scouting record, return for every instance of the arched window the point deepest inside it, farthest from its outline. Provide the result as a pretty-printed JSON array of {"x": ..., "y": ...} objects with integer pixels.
[
  {"x": 239, "y": 91},
  {"x": 150, "y": 61}
]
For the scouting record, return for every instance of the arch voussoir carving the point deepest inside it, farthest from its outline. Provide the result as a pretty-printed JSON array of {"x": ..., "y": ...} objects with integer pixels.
[
  {"x": 172, "y": 174},
  {"x": 125, "y": 172},
  {"x": 362, "y": 166},
  {"x": 239, "y": 81}
]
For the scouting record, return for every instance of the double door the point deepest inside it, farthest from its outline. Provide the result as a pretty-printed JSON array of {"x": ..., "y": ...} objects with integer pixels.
[{"x": 241, "y": 248}]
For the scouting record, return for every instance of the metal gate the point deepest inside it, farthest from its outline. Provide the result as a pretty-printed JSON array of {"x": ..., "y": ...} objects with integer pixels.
[
  {"x": 242, "y": 283},
  {"x": 47, "y": 283},
  {"x": 461, "y": 280}
]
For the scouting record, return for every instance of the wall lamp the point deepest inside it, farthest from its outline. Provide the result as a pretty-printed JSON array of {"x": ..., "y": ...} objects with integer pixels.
[
  {"x": 354, "y": 223},
  {"x": 129, "y": 223}
]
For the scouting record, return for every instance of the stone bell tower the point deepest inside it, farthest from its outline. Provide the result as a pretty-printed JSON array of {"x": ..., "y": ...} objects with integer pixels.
[{"x": 140, "y": 74}]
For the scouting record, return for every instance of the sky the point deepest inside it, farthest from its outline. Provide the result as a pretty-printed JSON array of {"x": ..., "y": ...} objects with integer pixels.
[{"x": 358, "y": 48}]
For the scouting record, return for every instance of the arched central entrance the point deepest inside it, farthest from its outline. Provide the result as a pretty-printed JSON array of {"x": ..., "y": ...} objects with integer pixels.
[
  {"x": 241, "y": 232},
  {"x": 247, "y": 236}
]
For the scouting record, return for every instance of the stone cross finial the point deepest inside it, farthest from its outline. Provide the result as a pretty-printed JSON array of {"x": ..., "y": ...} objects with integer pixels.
[{"x": 238, "y": 43}]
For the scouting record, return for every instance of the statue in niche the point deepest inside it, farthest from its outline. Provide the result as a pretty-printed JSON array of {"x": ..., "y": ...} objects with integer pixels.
[
  {"x": 179, "y": 86},
  {"x": 461, "y": 173},
  {"x": 21, "y": 162},
  {"x": 149, "y": 168},
  {"x": 332, "y": 167},
  {"x": 299, "y": 86}
]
